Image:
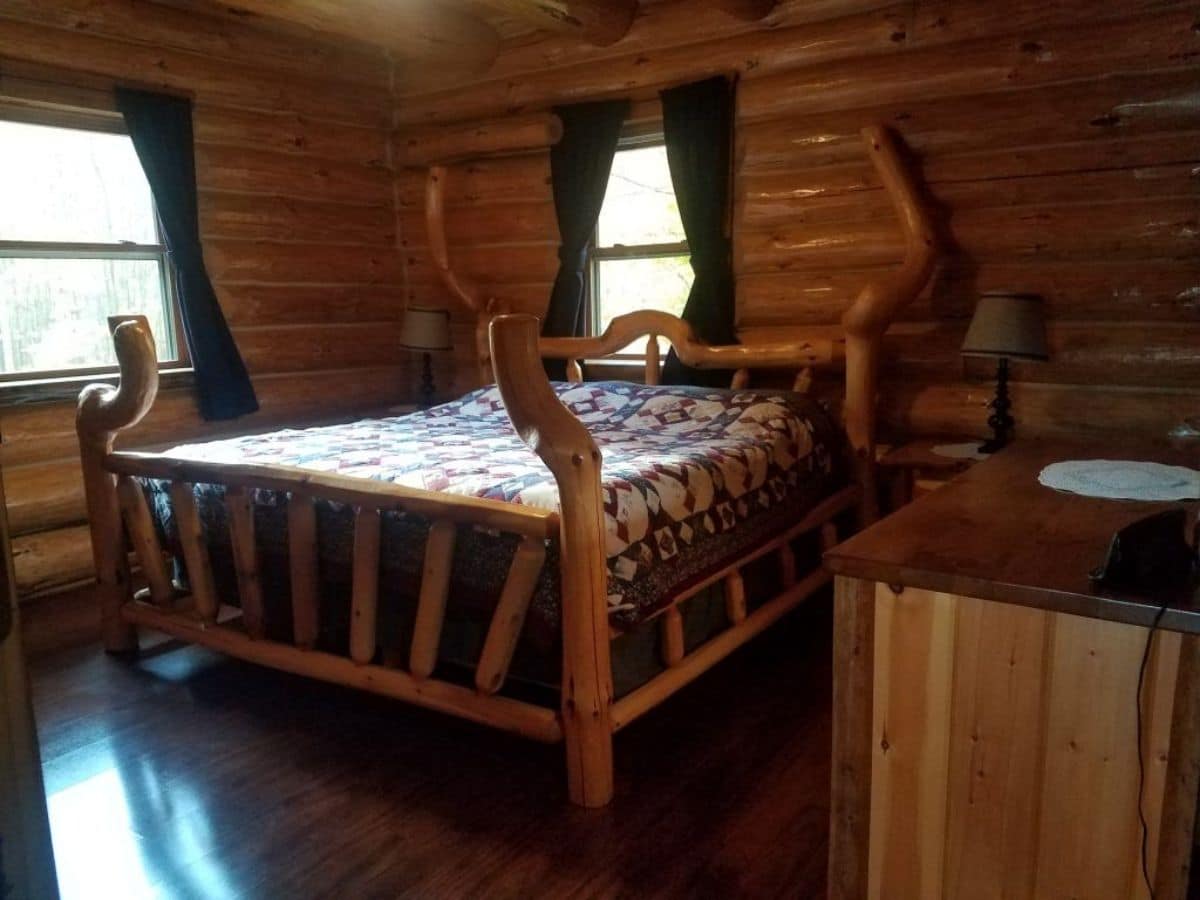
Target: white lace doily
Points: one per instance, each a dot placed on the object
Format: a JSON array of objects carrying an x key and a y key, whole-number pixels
[
  {"x": 969, "y": 450},
  {"x": 1122, "y": 479}
]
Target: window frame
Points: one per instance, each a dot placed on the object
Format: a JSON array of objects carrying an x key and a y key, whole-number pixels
[
  {"x": 59, "y": 383},
  {"x": 598, "y": 254}
]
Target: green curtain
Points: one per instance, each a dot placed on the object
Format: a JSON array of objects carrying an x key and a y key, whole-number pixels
[
  {"x": 580, "y": 164},
  {"x": 161, "y": 129},
  {"x": 698, "y": 129}
]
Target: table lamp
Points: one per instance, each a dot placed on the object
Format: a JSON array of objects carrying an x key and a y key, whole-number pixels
[
  {"x": 1005, "y": 326},
  {"x": 425, "y": 331}
]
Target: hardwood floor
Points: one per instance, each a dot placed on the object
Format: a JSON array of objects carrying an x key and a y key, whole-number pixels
[{"x": 184, "y": 774}]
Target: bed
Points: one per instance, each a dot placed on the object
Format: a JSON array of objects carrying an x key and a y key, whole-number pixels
[{"x": 525, "y": 535}]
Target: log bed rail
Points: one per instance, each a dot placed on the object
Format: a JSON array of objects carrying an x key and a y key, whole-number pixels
[{"x": 587, "y": 716}]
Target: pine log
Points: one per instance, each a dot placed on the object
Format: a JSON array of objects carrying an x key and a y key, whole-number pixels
[
  {"x": 263, "y": 261},
  {"x": 277, "y": 218},
  {"x": 288, "y": 132},
  {"x": 418, "y": 29},
  {"x": 597, "y": 22},
  {"x": 297, "y": 304},
  {"x": 1138, "y": 44},
  {"x": 44, "y": 496},
  {"x": 773, "y": 50},
  {"x": 209, "y": 79},
  {"x": 222, "y": 37},
  {"x": 50, "y": 561},
  {"x": 469, "y": 185},
  {"x": 1113, "y": 109},
  {"x": 258, "y": 171},
  {"x": 493, "y": 137}
]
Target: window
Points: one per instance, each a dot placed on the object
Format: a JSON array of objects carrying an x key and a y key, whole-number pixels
[
  {"x": 640, "y": 253},
  {"x": 79, "y": 241}
]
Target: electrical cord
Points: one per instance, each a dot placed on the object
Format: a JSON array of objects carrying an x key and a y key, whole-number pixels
[{"x": 1140, "y": 752}]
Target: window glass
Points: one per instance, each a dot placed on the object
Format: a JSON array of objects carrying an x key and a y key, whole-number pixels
[
  {"x": 63, "y": 184},
  {"x": 79, "y": 241},
  {"x": 640, "y": 259},
  {"x": 56, "y": 310},
  {"x": 639, "y": 205}
]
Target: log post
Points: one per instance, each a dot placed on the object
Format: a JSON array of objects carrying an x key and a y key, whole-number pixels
[
  {"x": 103, "y": 411},
  {"x": 876, "y": 307},
  {"x": 567, "y": 448}
]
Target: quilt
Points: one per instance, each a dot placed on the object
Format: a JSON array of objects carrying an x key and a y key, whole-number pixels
[{"x": 691, "y": 478}]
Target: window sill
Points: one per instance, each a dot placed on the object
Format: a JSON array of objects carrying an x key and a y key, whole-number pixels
[{"x": 58, "y": 390}]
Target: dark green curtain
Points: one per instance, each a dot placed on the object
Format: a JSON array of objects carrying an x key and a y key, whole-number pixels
[
  {"x": 698, "y": 130},
  {"x": 161, "y": 129},
  {"x": 579, "y": 167}
]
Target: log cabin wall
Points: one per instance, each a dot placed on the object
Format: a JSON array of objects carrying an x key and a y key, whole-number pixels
[
  {"x": 296, "y": 217},
  {"x": 1059, "y": 140}
]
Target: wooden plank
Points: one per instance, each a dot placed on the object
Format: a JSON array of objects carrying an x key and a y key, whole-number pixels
[
  {"x": 509, "y": 616},
  {"x": 144, "y": 537},
  {"x": 365, "y": 590},
  {"x": 914, "y": 646},
  {"x": 524, "y": 719},
  {"x": 305, "y": 574},
  {"x": 853, "y": 737},
  {"x": 735, "y": 597},
  {"x": 670, "y": 626},
  {"x": 431, "y": 605},
  {"x": 1090, "y": 762},
  {"x": 997, "y": 734},
  {"x": 239, "y": 504},
  {"x": 195, "y": 550},
  {"x": 1173, "y": 876}
]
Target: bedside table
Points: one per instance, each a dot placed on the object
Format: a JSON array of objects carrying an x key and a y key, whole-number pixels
[{"x": 913, "y": 468}]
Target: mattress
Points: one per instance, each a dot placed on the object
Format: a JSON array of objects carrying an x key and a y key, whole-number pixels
[{"x": 691, "y": 478}]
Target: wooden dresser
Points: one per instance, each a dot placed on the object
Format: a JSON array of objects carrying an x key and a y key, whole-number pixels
[{"x": 985, "y": 729}]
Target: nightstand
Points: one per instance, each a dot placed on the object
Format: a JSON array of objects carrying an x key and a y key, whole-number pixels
[{"x": 911, "y": 469}]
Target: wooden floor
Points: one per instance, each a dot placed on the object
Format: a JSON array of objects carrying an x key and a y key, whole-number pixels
[{"x": 184, "y": 774}]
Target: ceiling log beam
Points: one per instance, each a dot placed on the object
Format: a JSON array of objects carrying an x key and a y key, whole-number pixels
[
  {"x": 420, "y": 30},
  {"x": 598, "y": 22}
]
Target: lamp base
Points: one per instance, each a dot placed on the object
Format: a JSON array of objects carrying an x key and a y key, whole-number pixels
[
  {"x": 1000, "y": 421},
  {"x": 426, "y": 380}
]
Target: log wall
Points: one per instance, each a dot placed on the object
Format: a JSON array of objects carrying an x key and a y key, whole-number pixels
[
  {"x": 1059, "y": 140},
  {"x": 297, "y": 219}
]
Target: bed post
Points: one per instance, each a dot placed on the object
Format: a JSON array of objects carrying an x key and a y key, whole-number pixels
[
  {"x": 567, "y": 448},
  {"x": 102, "y": 412},
  {"x": 877, "y": 306},
  {"x": 468, "y": 292}
]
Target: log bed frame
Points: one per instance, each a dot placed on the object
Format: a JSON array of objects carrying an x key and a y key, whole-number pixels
[{"x": 587, "y": 716}]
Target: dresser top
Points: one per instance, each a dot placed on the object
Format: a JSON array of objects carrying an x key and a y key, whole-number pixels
[{"x": 995, "y": 533}]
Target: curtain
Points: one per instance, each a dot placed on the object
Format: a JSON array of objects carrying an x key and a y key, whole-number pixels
[
  {"x": 579, "y": 167},
  {"x": 698, "y": 130},
  {"x": 161, "y": 129}
]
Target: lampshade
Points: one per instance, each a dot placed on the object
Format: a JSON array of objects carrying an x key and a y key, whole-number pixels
[
  {"x": 425, "y": 329},
  {"x": 1008, "y": 325}
]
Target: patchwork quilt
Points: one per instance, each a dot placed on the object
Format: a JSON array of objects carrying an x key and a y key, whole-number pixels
[{"x": 691, "y": 477}]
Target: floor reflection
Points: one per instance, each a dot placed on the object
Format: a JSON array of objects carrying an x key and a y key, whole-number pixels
[{"x": 125, "y": 825}]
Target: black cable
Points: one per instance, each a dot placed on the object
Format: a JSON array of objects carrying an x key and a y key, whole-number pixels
[{"x": 1140, "y": 755}]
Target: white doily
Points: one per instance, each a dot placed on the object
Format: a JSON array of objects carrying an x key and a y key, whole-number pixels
[
  {"x": 969, "y": 450},
  {"x": 1122, "y": 479}
]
